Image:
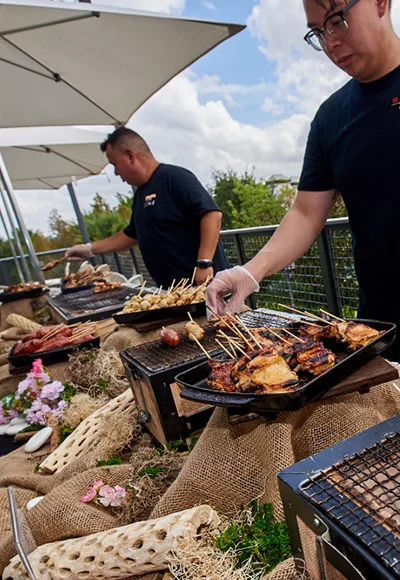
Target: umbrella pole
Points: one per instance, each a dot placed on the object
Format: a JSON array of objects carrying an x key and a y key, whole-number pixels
[
  {"x": 28, "y": 242},
  {"x": 78, "y": 213},
  {"x": 7, "y": 208},
  {"x": 12, "y": 248}
]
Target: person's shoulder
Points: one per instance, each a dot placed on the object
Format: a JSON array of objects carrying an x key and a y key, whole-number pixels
[
  {"x": 169, "y": 169},
  {"x": 336, "y": 99}
]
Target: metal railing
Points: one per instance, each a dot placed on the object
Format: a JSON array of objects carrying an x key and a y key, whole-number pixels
[{"x": 323, "y": 278}]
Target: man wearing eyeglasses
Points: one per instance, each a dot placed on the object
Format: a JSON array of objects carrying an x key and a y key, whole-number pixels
[{"x": 352, "y": 148}]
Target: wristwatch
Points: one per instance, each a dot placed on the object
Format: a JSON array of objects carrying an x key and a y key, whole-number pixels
[{"x": 204, "y": 264}]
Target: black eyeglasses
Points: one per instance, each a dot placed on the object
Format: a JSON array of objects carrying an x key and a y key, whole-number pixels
[{"x": 335, "y": 25}]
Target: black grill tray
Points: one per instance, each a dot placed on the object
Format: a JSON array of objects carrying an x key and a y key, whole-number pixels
[
  {"x": 197, "y": 309},
  {"x": 10, "y": 296},
  {"x": 194, "y": 387},
  {"x": 48, "y": 356},
  {"x": 66, "y": 290}
]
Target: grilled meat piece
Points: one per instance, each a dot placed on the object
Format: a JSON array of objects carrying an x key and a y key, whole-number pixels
[
  {"x": 220, "y": 376},
  {"x": 267, "y": 370},
  {"x": 315, "y": 331},
  {"x": 313, "y": 358},
  {"x": 355, "y": 334},
  {"x": 27, "y": 347},
  {"x": 194, "y": 331}
]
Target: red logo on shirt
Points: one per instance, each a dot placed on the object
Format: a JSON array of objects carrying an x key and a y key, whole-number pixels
[{"x": 395, "y": 102}]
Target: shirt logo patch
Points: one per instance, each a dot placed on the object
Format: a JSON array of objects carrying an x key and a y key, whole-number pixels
[
  {"x": 150, "y": 200},
  {"x": 396, "y": 102}
]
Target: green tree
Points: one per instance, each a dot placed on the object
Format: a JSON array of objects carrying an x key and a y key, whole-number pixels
[
  {"x": 258, "y": 206},
  {"x": 103, "y": 221},
  {"x": 222, "y": 190}
]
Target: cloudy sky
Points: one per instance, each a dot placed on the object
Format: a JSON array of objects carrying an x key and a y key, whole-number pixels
[{"x": 247, "y": 104}]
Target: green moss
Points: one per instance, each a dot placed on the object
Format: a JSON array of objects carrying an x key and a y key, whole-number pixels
[
  {"x": 102, "y": 384},
  {"x": 151, "y": 472},
  {"x": 114, "y": 460},
  {"x": 35, "y": 427},
  {"x": 36, "y": 468},
  {"x": 65, "y": 430},
  {"x": 258, "y": 539},
  {"x": 178, "y": 445},
  {"x": 68, "y": 392}
]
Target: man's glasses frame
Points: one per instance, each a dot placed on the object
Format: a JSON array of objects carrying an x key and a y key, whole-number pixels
[{"x": 315, "y": 37}]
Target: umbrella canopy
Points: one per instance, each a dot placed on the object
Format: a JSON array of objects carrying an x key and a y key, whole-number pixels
[
  {"x": 75, "y": 64},
  {"x": 48, "y": 157}
]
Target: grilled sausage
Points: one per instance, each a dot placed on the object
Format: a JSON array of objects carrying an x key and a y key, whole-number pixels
[{"x": 170, "y": 337}]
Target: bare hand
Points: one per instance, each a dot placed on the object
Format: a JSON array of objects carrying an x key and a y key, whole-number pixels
[{"x": 202, "y": 275}]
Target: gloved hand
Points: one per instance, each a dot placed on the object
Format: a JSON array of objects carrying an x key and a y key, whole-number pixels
[
  {"x": 79, "y": 253},
  {"x": 237, "y": 281}
]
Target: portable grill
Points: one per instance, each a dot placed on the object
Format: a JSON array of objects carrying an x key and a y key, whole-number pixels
[
  {"x": 349, "y": 497},
  {"x": 88, "y": 305},
  {"x": 151, "y": 368}
]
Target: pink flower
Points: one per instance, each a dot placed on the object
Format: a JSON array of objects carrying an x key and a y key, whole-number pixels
[
  {"x": 111, "y": 495},
  {"x": 37, "y": 367},
  {"x": 90, "y": 495},
  {"x": 98, "y": 484},
  {"x": 52, "y": 391}
]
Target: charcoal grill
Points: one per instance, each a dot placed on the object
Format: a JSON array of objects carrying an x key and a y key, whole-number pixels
[
  {"x": 151, "y": 368},
  {"x": 349, "y": 497},
  {"x": 88, "y": 305}
]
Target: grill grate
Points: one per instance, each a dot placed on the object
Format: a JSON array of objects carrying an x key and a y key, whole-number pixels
[
  {"x": 265, "y": 317},
  {"x": 362, "y": 494},
  {"x": 157, "y": 356},
  {"x": 85, "y": 304}
]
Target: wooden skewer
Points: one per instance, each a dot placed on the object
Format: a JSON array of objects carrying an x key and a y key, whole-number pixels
[
  {"x": 293, "y": 335},
  {"x": 225, "y": 349},
  {"x": 332, "y": 315},
  {"x": 170, "y": 288},
  {"x": 280, "y": 337},
  {"x": 141, "y": 289},
  {"x": 306, "y": 313},
  {"x": 53, "y": 332},
  {"x": 193, "y": 275},
  {"x": 201, "y": 346},
  {"x": 238, "y": 321},
  {"x": 238, "y": 347},
  {"x": 191, "y": 318},
  {"x": 240, "y": 335}
]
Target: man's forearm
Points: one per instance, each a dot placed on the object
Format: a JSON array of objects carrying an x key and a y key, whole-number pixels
[
  {"x": 115, "y": 243},
  {"x": 210, "y": 226}
]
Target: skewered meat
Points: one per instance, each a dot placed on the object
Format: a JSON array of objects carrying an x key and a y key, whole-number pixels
[
  {"x": 314, "y": 358},
  {"x": 194, "y": 331},
  {"x": 170, "y": 336},
  {"x": 21, "y": 287},
  {"x": 178, "y": 297},
  {"x": 355, "y": 334},
  {"x": 220, "y": 376},
  {"x": 27, "y": 347},
  {"x": 316, "y": 331}
]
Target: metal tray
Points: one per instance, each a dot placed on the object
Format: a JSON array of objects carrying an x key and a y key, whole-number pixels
[
  {"x": 66, "y": 290},
  {"x": 48, "y": 357},
  {"x": 194, "y": 387},
  {"x": 197, "y": 309},
  {"x": 10, "y": 296}
]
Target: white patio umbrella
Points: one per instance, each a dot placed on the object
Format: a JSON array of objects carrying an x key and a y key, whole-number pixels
[
  {"x": 83, "y": 64},
  {"x": 69, "y": 64},
  {"x": 46, "y": 158}
]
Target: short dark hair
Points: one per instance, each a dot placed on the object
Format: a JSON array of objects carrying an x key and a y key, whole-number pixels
[{"x": 123, "y": 138}]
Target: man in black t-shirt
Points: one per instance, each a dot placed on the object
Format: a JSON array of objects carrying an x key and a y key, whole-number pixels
[
  {"x": 352, "y": 148},
  {"x": 174, "y": 220}
]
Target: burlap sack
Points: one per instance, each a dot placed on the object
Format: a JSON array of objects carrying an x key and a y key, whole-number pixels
[
  {"x": 22, "y": 307},
  {"x": 231, "y": 465},
  {"x": 60, "y": 514}
]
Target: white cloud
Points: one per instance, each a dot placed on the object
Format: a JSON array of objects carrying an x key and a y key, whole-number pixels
[{"x": 209, "y": 5}]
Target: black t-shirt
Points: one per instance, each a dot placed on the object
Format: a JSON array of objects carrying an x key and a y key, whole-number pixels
[
  {"x": 353, "y": 147},
  {"x": 165, "y": 220}
]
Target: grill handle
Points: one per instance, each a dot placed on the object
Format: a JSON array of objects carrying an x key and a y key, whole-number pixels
[{"x": 216, "y": 398}]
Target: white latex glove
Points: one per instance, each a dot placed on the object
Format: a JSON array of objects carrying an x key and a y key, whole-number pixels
[
  {"x": 237, "y": 281},
  {"x": 79, "y": 253}
]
